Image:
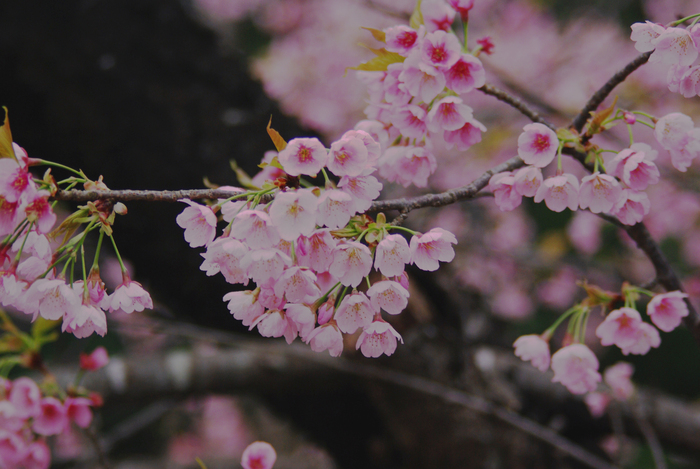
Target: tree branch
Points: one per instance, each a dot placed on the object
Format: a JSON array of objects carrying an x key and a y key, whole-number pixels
[{"x": 600, "y": 95}]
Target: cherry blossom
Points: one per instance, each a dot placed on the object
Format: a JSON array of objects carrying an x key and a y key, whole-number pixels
[
  {"x": 38, "y": 210},
  {"x": 130, "y": 296},
  {"x": 537, "y": 145},
  {"x": 326, "y": 337},
  {"x": 316, "y": 251},
  {"x": 533, "y": 348},
  {"x": 621, "y": 328},
  {"x": 352, "y": 262},
  {"x": 401, "y": 39},
  {"x": 297, "y": 284},
  {"x": 449, "y": 113},
  {"x": 618, "y": 378},
  {"x": 259, "y": 455},
  {"x": 465, "y": 137},
  {"x": 667, "y": 310},
  {"x": 465, "y": 75},
  {"x": 354, "y": 311},
  {"x": 527, "y": 180},
  {"x": 429, "y": 248},
  {"x": 648, "y": 338},
  {"x": 597, "y": 403},
  {"x": 25, "y": 396},
  {"x": 303, "y": 318},
  {"x": 378, "y": 338},
  {"x": 440, "y": 49},
  {"x": 303, "y": 156},
  {"x": 265, "y": 264},
  {"x": 225, "y": 255},
  {"x": 95, "y": 360},
  {"x": 559, "y": 192},
  {"x": 631, "y": 207},
  {"x": 348, "y": 156},
  {"x": 599, "y": 192},
  {"x": 256, "y": 228},
  {"x": 52, "y": 418},
  {"x": 576, "y": 367},
  {"x": 296, "y": 211},
  {"x": 335, "y": 207},
  {"x": 644, "y": 34},
  {"x": 199, "y": 223},
  {"x": 392, "y": 255},
  {"x": 437, "y": 15},
  {"x": 363, "y": 189},
  {"x": 388, "y": 295},
  {"x": 421, "y": 80},
  {"x": 674, "y": 46},
  {"x": 78, "y": 410},
  {"x": 634, "y": 168},
  {"x": 504, "y": 191},
  {"x": 244, "y": 306}
]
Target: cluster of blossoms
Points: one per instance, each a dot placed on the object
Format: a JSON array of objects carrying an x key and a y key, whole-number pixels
[
  {"x": 619, "y": 192},
  {"x": 416, "y": 87},
  {"x": 619, "y": 387},
  {"x": 575, "y": 365},
  {"x": 29, "y": 280},
  {"x": 674, "y": 47},
  {"x": 305, "y": 249},
  {"x": 29, "y": 413}
]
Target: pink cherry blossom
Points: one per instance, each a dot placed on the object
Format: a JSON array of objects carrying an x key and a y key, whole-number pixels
[
  {"x": 421, "y": 80},
  {"x": 666, "y": 310},
  {"x": 297, "y": 284},
  {"x": 576, "y": 367},
  {"x": 437, "y": 15},
  {"x": 388, "y": 295},
  {"x": 354, "y": 311},
  {"x": 559, "y": 192},
  {"x": 648, "y": 337},
  {"x": 38, "y": 210},
  {"x": 503, "y": 187},
  {"x": 670, "y": 130},
  {"x": 599, "y": 192},
  {"x": 533, "y": 348},
  {"x": 440, "y": 49},
  {"x": 78, "y": 410},
  {"x": 296, "y": 211},
  {"x": 265, "y": 264},
  {"x": 401, "y": 39},
  {"x": 689, "y": 82},
  {"x": 449, "y": 113},
  {"x": 54, "y": 298},
  {"x": 316, "y": 251},
  {"x": 256, "y": 228},
  {"x": 408, "y": 165},
  {"x": 36, "y": 456},
  {"x": 268, "y": 173},
  {"x": 429, "y": 248},
  {"x": 468, "y": 135},
  {"x": 15, "y": 180},
  {"x": 25, "y": 396},
  {"x": 597, "y": 403},
  {"x": 634, "y": 169},
  {"x": 352, "y": 262},
  {"x": 224, "y": 255},
  {"x": 618, "y": 378},
  {"x": 537, "y": 145},
  {"x": 244, "y": 306},
  {"x": 95, "y": 360},
  {"x": 631, "y": 207},
  {"x": 199, "y": 223},
  {"x": 527, "y": 180},
  {"x": 259, "y": 455},
  {"x": 326, "y": 337},
  {"x": 674, "y": 46},
  {"x": 12, "y": 449},
  {"x": 303, "y": 156},
  {"x": 643, "y": 35},
  {"x": 411, "y": 121},
  {"x": 348, "y": 156},
  {"x": 465, "y": 75},
  {"x": 9, "y": 216},
  {"x": 335, "y": 207},
  {"x": 52, "y": 418},
  {"x": 303, "y": 318},
  {"x": 130, "y": 296},
  {"x": 392, "y": 255},
  {"x": 378, "y": 338},
  {"x": 85, "y": 320},
  {"x": 274, "y": 323},
  {"x": 462, "y": 7},
  {"x": 363, "y": 189},
  {"x": 621, "y": 328}
]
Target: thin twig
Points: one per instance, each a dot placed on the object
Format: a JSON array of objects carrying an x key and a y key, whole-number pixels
[
  {"x": 516, "y": 103},
  {"x": 148, "y": 196}
]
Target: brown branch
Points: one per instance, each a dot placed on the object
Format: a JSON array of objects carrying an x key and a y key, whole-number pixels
[
  {"x": 600, "y": 95},
  {"x": 149, "y": 196},
  {"x": 516, "y": 103}
]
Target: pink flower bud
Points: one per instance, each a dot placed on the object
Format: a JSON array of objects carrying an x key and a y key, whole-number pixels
[
  {"x": 96, "y": 360},
  {"x": 259, "y": 455}
]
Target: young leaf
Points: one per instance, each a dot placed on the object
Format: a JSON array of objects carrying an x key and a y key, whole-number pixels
[
  {"x": 377, "y": 34},
  {"x": 383, "y": 59},
  {"x": 277, "y": 139},
  {"x": 6, "y": 150}
]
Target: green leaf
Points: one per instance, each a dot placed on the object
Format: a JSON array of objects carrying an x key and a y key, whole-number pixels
[
  {"x": 383, "y": 59},
  {"x": 42, "y": 328},
  {"x": 277, "y": 139},
  {"x": 416, "y": 17},
  {"x": 377, "y": 34}
]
